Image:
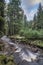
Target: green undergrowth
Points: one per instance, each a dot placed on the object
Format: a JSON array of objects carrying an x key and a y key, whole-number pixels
[{"x": 5, "y": 60}]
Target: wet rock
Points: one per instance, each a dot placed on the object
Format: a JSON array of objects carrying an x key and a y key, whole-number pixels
[
  {"x": 41, "y": 62},
  {"x": 17, "y": 58},
  {"x": 28, "y": 63}
]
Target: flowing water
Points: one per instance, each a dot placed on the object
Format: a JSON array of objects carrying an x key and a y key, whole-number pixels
[{"x": 22, "y": 55}]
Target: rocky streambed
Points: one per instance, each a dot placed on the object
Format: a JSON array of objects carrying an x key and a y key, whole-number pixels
[{"x": 23, "y": 54}]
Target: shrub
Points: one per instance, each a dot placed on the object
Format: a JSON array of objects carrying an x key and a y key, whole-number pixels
[
  {"x": 10, "y": 63},
  {"x": 29, "y": 33},
  {"x": 35, "y": 34},
  {"x": 21, "y": 32},
  {"x": 5, "y": 61},
  {"x": 41, "y": 33}
]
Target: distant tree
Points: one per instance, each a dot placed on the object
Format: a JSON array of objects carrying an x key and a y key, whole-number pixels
[
  {"x": 38, "y": 20},
  {"x": 40, "y": 17},
  {"x": 34, "y": 22},
  {"x": 25, "y": 21}
]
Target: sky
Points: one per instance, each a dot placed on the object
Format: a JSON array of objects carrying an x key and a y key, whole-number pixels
[{"x": 30, "y": 7}]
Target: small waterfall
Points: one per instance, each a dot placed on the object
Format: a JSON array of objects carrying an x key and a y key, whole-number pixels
[{"x": 27, "y": 55}]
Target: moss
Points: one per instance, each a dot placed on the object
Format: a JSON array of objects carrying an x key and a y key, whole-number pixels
[
  {"x": 2, "y": 57},
  {"x": 10, "y": 63},
  {"x": 1, "y": 63}
]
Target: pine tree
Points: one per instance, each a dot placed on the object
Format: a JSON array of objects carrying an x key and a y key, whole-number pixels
[
  {"x": 15, "y": 16},
  {"x": 2, "y": 3},
  {"x": 40, "y": 17},
  {"x": 34, "y": 22},
  {"x": 25, "y": 21},
  {"x": 38, "y": 20}
]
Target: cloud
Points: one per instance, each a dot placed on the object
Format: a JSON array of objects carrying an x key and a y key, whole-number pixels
[
  {"x": 31, "y": 2},
  {"x": 30, "y": 7},
  {"x": 31, "y": 14},
  {"x": 7, "y": 1}
]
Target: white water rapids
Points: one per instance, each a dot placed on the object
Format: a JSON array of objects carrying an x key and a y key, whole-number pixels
[{"x": 24, "y": 53}]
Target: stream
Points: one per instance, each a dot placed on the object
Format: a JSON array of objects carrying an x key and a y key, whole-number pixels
[{"x": 23, "y": 56}]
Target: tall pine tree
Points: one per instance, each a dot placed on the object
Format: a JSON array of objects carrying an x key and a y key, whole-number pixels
[
  {"x": 15, "y": 16},
  {"x": 2, "y": 7},
  {"x": 38, "y": 20},
  {"x": 40, "y": 17},
  {"x": 2, "y": 3}
]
